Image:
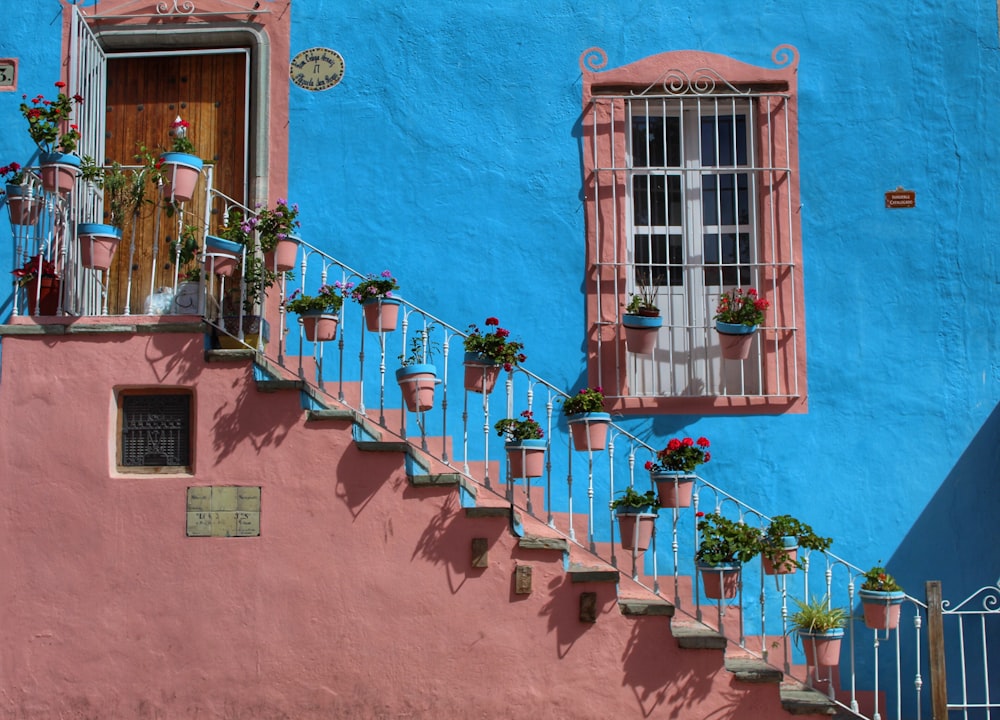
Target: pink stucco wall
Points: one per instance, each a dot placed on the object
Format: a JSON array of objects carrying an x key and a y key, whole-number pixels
[{"x": 357, "y": 600}]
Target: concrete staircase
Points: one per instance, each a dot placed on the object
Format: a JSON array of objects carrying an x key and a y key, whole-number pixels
[{"x": 601, "y": 587}]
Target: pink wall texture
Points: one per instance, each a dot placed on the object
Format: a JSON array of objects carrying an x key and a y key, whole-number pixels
[{"x": 358, "y": 600}]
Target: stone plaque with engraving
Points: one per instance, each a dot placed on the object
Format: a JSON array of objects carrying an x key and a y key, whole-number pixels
[{"x": 223, "y": 511}]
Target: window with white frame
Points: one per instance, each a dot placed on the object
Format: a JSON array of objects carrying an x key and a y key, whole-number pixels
[{"x": 692, "y": 192}]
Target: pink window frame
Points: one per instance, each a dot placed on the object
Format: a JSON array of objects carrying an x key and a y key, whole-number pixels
[{"x": 605, "y": 214}]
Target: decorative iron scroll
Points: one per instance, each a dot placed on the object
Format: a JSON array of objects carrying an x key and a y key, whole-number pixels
[
  {"x": 988, "y": 596},
  {"x": 186, "y": 8}
]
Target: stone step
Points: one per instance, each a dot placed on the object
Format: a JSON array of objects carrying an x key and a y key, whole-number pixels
[{"x": 694, "y": 635}]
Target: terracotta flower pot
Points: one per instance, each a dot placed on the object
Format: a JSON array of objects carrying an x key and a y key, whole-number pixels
[
  {"x": 636, "y": 529},
  {"x": 48, "y": 295},
  {"x": 735, "y": 340},
  {"x": 59, "y": 171},
  {"x": 181, "y": 172},
  {"x": 319, "y": 326},
  {"x": 22, "y": 206},
  {"x": 822, "y": 649},
  {"x": 589, "y": 430},
  {"x": 98, "y": 243},
  {"x": 417, "y": 385},
  {"x": 881, "y": 609},
  {"x": 674, "y": 488},
  {"x": 641, "y": 332},
  {"x": 481, "y": 373},
  {"x": 782, "y": 560},
  {"x": 282, "y": 258},
  {"x": 526, "y": 458},
  {"x": 222, "y": 256},
  {"x": 381, "y": 314},
  {"x": 720, "y": 582}
]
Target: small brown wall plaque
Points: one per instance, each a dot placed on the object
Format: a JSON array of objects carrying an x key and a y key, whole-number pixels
[{"x": 900, "y": 198}]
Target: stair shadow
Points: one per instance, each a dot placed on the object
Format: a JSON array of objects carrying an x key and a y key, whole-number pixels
[
  {"x": 262, "y": 419},
  {"x": 563, "y": 609},
  {"x": 447, "y": 539}
]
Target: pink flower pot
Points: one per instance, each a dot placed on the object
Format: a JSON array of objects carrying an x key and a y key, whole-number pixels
[
  {"x": 674, "y": 488},
  {"x": 822, "y": 649},
  {"x": 481, "y": 373},
  {"x": 381, "y": 315},
  {"x": 180, "y": 173},
  {"x": 282, "y": 258},
  {"x": 59, "y": 171},
  {"x": 641, "y": 332},
  {"x": 98, "y": 243},
  {"x": 526, "y": 458},
  {"x": 720, "y": 582},
  {"x": 636, "y": 530},
  {"x": 416, "y": 382},
  {"x": 589, "y": 431},
  {"x": 319, "y": 327},
  {"x": 735, "y": 340},
  {"x": 881, "y": 609},
  {"x": 23, "y": 207}
]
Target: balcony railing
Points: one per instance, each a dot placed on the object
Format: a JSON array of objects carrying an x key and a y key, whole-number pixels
[{"x": 879, "y": 673}]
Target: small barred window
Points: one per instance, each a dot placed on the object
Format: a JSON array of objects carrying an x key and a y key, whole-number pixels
[{"x": 155, "y": 432}]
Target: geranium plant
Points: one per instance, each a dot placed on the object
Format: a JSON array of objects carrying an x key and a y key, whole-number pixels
[
  {"x": 739, "y": 307},
  {"x": 682, "y": 455},
  {"x": 879, "y": 580},
  {"x": 374, "y": 287},
  {"x": 495, "y": 345},
  {"x": 588, "y": 400},
  {"x": 48, "y": 121},
  {"x": 523, "y": 428},
  {"x": 180, "y": 142},
  {"x": 31, "y": 268},
  {"x": 725, "y": 541},
  {"x": 327, "y": 300},
  {"x": 772, "y": 546},
  {"x": 12, "y": 174}
]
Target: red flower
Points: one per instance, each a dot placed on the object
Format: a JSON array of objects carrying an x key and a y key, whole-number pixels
[
  {"x": 502, "y": 333},
  {"x": 649, "y": 465},
  {"x": 699, "y": 514},
  {"x": 703, "y": 442},
  {"x": 674, "y": 444},
  {"x": 60, "y": 84},
  {"x": 78, "y": 98},
  {"x": 687, "y": 442},
  {"x": 492, "y": 321},
  {"x": 708, "y": 456}
]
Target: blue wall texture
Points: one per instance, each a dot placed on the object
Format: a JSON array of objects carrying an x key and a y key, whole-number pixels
[{"x": 450, "y": 154}]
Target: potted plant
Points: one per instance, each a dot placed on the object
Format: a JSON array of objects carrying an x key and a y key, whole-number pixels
[
  {"x": 881, "y": 599},
  {"x": 588, "y": 423},
  {"x": 180, "y": 167},
  {"x": 486, "y": 353},
  {"x": 41, "y": 283},
  {"x": 820, "y": 628},
  {"x": 525, "y": 445},
  {"x": 276, "y": 233},
  {"x": 318, "y": 313},
  {"x": 673, "y": 471},
  {"x": 23, "y": 203},
  {"x": 50, "y": 127},
  {"x": 380, "y": 306},
  {"x": 224, "y": 251},
  {"x": 780, "y": 543},
  {"x": 417, "y": 376},
  {"x": 642, "y": 321},
  {"x": 125, "y": 191},
  {"x": 736, "y": 319},
  {"x": 636, "y": 513},
  {"x": 725, "y": 545}
]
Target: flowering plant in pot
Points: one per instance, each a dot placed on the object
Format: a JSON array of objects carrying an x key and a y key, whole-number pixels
[
  {"x": 56, "y": 137},
  {"x": 23, "y": 204},
  {"x": 179, "y": 167},
  {"x": 318, "y": 313},
  {"x": 486, "y": 353},
  {"x": 525, "y": 444},
  {"x": 588, "y": 422},
  {"x": 40, "y": 279},
  {"x": 780, "y": 543},
  {"x": 881, "y": 599},
  {"x": 820, "y": 628},
  {"x": 674, "y": 467},
  {"x": 636, "y": 513},
  {"x": 380, "y": 306},
  {"x": 276, "y": 228},
  {"x": 736, "y": 319}
]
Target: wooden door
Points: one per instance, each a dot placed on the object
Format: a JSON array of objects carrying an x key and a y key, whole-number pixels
[{"x": 145, "y": 95}]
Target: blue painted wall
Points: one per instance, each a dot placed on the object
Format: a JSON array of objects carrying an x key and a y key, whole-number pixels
[{"x": 450, "y": 154}]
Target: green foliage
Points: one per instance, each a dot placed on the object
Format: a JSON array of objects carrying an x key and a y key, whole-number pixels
[
  {"x": 682, "y": 455},
  {"x": 588, "y": 400},
  {"x": 495, "y": 345},
  {"x": 328, "y": 300},
  {"x": 523, "y": 428},
  {"x": 374, "y": 287},
  {"x": 48, "y": 121},
  {"x": 817, "y": 616},
  {"x": 422, "y": 348},
  {"x": 880, "y": 580},
  {"x": 125, "y": 191},
  {"x": 725, "y": 541},
  {"x": 634, "y": 500},
  {"x": 771, "y": 541},
  {"x": 741, "y": 308}
]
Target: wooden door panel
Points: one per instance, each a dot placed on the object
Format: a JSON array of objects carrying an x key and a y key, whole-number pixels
[{"x": 145, "y": 95}]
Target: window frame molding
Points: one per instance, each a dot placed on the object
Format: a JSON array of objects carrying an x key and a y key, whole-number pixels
[{"x": 606, "y": 226}]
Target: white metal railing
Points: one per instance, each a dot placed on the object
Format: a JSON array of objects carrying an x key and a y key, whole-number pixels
[{"x": 879, "y": 674}]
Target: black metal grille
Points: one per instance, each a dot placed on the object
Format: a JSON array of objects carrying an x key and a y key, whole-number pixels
[{"x": 156, "y": 430}]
